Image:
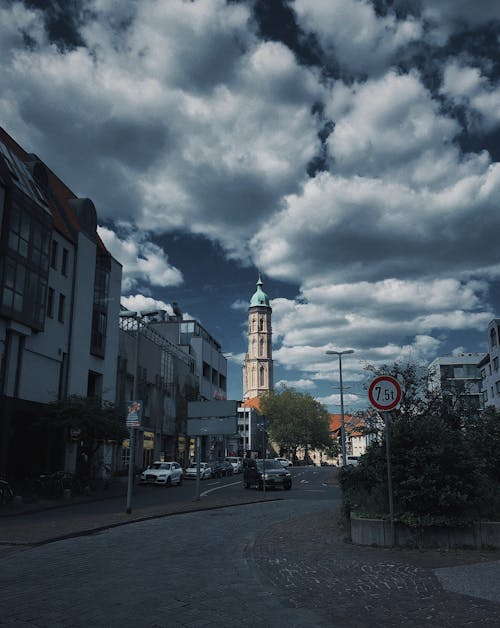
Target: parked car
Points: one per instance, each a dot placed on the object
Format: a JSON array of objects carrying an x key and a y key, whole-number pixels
[
  {"x": 205, "y": 471},
  {"x": 353, "y": 460},
  {"x": 221, "y": 469},
  {"x": 284, "y": 462},
  {"x": 236, "y": 462},
  {"x": 269, "y": 472},
  {"x": 165, "y": 473}
]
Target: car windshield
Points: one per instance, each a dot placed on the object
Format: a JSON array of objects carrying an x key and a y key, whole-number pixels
[
  {"x": 161, "y": 465},
  {"x": 270, "y": 464}
]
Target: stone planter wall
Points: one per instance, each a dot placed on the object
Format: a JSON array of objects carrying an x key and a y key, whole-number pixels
[{"x": 378, "y": 532}]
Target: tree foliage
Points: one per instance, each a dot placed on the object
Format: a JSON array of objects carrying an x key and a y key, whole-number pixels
[
  {"x": 96, "y": 420},
  {"x": 444, "y": 458},
  {"x": 297, "y": 420}
]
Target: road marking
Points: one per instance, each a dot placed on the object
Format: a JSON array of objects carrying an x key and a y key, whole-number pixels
[{"x": 205, "y": 493}]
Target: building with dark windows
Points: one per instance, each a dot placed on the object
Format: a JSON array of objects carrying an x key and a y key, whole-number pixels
[
  {"x": 489, "y": 367},
  {"x": 59, "y": 303},
  {"x": 458, "y": 379}
]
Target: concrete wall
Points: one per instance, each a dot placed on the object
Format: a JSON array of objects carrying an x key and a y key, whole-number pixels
[{"x": 378, "y": 532}]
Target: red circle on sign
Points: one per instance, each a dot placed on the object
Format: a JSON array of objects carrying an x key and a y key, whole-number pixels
[{"x": 384, "y": 392}]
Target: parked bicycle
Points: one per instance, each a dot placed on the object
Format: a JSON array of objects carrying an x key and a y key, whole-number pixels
[{"x": 6, "y": 492}]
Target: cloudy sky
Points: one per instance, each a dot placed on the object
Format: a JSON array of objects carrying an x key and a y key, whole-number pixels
[{"x": 348, "y": 149}]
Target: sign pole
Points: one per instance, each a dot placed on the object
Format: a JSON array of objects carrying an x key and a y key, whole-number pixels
[
  {"x": 198, "y": 459},
  {"x": 131, "y": 467},
  {"x": 389, "y": 475},
  {"x": 385, "y": 394}
]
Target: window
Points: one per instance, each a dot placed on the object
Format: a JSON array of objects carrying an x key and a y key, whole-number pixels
[
  {"x": 60, "y": 309},
  {"x": 261, "y": 347},
  {"x": 261, "y": 376},
  {"x": 495, "y": 364},
  {"x": 53, "y": 254},
  {"x": 206, "y": 370},
  {"x": 64, "y": 262},
  {"x": 99, "y": 325},
  {"x": 50, "y": 303},
  {"x": 493, "y": 338},
  {"x": 261, "y": 324},
  {"x": 497, "y": 386},
  {"x": 14, "y": 280}
]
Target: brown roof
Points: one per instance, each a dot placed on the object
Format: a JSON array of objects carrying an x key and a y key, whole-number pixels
[
  {"x": 253, "y": 402},
  {"x": 57, "y": 195},
  {"x": 354, "y": 425}
]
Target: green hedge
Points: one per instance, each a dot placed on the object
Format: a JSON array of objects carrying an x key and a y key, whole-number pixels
[{"x": 441, "y": 473}]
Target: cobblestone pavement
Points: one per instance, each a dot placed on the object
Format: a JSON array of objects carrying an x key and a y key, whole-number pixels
[
  {"x": 281, "y": 563},
  {"x": 312, "y": 566}
]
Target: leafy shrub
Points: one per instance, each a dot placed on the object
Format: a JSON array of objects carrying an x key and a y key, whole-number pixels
[{"x": 440, "y": 473}]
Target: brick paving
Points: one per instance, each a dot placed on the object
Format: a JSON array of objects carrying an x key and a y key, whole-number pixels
[
  {"x": 315, "y": 568},
  {"x": 237, "y": 561}
]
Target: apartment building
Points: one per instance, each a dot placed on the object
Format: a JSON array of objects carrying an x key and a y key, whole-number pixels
[
  {"x": 458, "y": 377},
  {"x": 59, "y": 304},
  {"x": 489, "y": 367}
]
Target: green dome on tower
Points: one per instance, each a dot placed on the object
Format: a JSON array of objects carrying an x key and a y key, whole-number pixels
[{"x": 260, "y": 297}]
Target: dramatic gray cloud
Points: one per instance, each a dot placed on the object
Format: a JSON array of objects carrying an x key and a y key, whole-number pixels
[{"x": 178, "y": 118}]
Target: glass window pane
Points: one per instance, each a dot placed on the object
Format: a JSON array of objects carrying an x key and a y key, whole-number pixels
[{"x": 20, "y": 275}]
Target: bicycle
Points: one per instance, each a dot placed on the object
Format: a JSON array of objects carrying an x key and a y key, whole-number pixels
[{"x": 6, "y": 492}]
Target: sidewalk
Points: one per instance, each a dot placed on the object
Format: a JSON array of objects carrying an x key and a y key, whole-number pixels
[{"x": 44, "y": 521}]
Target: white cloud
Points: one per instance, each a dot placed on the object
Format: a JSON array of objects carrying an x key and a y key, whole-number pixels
[
  {"x": 143, "y": 262},
  {"x": 298, "y": 384},
  {"x": 141, "y": 303},
  {"x": 466, "y": 86},
  {"x": 351, "y": 33}
]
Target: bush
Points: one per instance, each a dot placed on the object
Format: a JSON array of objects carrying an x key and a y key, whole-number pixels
[{"x": 440, "y": 473}]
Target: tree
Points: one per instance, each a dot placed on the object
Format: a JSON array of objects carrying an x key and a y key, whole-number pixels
[
  {"x": 96, "y": 421},
  {"x": 445, "y": 463},
  {"x": 297, "y": 420}
]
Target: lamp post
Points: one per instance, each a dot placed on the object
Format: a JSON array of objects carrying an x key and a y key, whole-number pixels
[
  {"x": 342, "y": 418},
  {"x": 138, "y": 317}
]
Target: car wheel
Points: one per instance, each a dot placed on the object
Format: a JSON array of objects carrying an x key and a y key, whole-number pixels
[
  {"x": 169, "y": 482},
  {"x": 287, "y": 486},
  {"x": 179, "y": 483},
  {"x": 260, "y": 485}
]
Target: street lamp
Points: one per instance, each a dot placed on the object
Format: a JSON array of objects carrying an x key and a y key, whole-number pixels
[
  {"x": 139, "y": 321},
  {"x": 342, "y": 419}
]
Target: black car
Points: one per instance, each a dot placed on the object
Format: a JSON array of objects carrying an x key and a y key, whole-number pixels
[{"x": 271, "y": 472}]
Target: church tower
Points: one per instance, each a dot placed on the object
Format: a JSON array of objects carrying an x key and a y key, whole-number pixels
[{"x": 258, "y": 364}]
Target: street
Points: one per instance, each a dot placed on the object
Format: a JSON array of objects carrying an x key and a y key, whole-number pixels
[{"x": 278, "y": 562}]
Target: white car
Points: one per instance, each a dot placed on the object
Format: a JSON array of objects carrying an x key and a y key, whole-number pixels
[
  {"x": 166, "y": 473},
  {"x": 205, "y": 471},
  {"x": 284, "y": 462},
  {"x": 236, "y": 462}
]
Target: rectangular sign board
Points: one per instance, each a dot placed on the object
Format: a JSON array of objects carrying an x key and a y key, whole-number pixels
[
  {"x": 199, "y": 409},
  {"x": 211, "y": 427}
]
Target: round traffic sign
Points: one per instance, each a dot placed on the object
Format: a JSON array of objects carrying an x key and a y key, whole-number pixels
[{"x": 384, "y": 392}]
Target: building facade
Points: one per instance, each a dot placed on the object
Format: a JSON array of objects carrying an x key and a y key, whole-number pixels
[
  {"x": 59, "y": 302},
  {"x": 458, "y": 377},
  {"x": 489, "y": 367},
  {"x": 159, "y": 374}
]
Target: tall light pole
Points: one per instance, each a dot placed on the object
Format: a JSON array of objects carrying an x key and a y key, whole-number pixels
[
  {"x": 342, "y": 418},
  {"x": 138, "y": 317}
]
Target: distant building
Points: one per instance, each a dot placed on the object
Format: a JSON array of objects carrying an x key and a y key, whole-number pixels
[
  {"x": 489, "y": 367},
  {"x": 166, "y": 375},
  {"x": 458, "y": 378},
  {"x": 258, "y": 377},
  {"x": 59, "y": 304},
  {"x": 210, "y": 366},
  {"x": 258, "y": 364}
]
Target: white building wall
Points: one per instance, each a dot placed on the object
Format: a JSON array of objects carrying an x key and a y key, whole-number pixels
[{"x": 82, "y": 316}]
